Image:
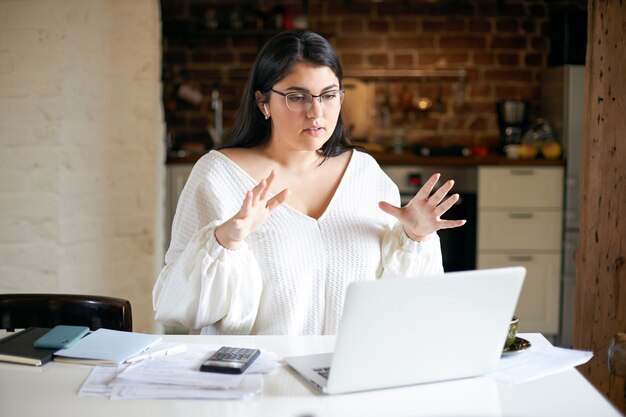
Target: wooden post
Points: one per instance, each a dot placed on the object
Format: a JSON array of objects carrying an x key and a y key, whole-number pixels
[{"x": 600, "y": 307}]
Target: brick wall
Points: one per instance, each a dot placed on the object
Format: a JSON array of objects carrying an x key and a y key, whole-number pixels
[
  {"x": 81, "y": 164},
  {"x": 502, "y": 45}
]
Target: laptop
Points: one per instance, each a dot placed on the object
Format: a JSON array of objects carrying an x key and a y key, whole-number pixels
[{"x": 397, "y": 332}]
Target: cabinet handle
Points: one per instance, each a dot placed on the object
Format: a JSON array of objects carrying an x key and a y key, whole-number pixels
[
  {"x": 521, "y": 215},
  {"x": 520, "y": 258},
  {"x": 522, "y": 172}
]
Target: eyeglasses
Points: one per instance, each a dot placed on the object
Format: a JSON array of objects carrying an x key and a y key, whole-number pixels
[{"x": 303, "y": 101}]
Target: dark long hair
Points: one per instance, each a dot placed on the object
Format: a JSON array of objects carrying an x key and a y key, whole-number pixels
[{"x": 276, "y": 59}]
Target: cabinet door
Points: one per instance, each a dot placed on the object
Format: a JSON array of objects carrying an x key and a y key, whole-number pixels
[
  {"x": 520, "y": 187},
  {"x": 538, "y": 305},
  {"x": 519, "y": 229}
]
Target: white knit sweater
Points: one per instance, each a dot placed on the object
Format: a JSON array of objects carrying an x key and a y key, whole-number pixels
[{"x": 292, "y": 274}]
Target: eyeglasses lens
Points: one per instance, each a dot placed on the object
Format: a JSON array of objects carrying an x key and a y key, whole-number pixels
[{"x": 304, "y": 101}]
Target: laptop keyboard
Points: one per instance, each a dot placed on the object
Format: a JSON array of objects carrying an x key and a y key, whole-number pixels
[{"x": 323, "y": 372}]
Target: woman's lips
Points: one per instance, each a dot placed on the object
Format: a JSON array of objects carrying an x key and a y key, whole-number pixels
[{"x": 314, "y": 131}]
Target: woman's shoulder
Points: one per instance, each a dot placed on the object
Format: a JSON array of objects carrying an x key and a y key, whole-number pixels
[{"x": 365, "y": 160}]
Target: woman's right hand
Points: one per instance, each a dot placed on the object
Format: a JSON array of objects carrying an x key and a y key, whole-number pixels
[{"x": 255, "y": 209}]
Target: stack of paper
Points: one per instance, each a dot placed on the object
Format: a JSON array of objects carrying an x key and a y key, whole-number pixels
[
  {"x": 540, "y": 360},
  {"x": 176, "y": 376}
]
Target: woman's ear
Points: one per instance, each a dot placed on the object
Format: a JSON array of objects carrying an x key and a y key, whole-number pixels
[{"x": 260, "y": 101}]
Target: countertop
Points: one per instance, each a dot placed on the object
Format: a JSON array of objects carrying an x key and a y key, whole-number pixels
[{"x": 407, "y": 158}]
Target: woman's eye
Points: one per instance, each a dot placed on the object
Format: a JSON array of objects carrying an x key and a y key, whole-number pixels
[
  {"x": 296, "y": 98},
  {"x": 329, "y": 96}
]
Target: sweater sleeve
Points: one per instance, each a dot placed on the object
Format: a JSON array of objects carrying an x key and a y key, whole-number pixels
[
  {"x": 208, "y": 284},
  {"x": 202, "y": 283},
  {"x": 404, "y": 257}
]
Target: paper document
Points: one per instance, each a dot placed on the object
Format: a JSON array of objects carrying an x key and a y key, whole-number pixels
[
  {"x": 540, "y": 360},
  {"x": 176, "y": 375}
]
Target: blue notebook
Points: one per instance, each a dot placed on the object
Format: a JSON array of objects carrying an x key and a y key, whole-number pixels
[{"x": 106, "y": 347}]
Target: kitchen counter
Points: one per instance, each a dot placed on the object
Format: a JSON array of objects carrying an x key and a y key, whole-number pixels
[{"x": 407, "y": 158}]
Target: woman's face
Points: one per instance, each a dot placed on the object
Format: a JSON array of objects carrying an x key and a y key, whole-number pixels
[{"x": 302, "y": 128}]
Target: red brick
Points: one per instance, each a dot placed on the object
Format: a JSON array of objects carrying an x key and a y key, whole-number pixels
[
  {"x": 465, "y": 42},
  {"x": 459, "y": 58},
  {"x": 359, "y": 42},
  {"x": 507, "y": 26},
  {"x": 404, "y": 25},
  {"x": 429, "y": 26},
  {"x": 351, "y": 25},
  {"x": 509, "y": 42},
  {"x": 412, "y": 42},
  {"x": 480, "y": 90},
  {"x": 479, "y": 123},
  {"x": 379, "y": 60},
  {"x": 455, "y": 25},
  {"x": 534, "y": 59},
  {"x": 504, "y": 92},
  {"x": 480, "y": 26},
  {"x": 352, "y": 60},
  {"x": 378, "y": 26},
  {"x": 325, "y": 25},
  {"x": 529, "y": 26},
  {"x": 508, "y": 59},
  {"x": 508, "y": 75},
  {"x": 429, "y": 59},
  {"x": 481, "y": 58},
  {"x": 403, "y": 60},
  {"x": 539, "y": 43}
]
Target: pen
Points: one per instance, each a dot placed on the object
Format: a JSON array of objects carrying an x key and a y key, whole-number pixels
[{"x": 157, "y": 352}]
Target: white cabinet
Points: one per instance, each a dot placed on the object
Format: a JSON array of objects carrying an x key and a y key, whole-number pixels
[
  {"x": 176, "y": 177},
  {"x": 520, "y": 222}
]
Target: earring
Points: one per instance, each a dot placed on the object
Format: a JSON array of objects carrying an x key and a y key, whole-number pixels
[{"x": 267, "y": 112}]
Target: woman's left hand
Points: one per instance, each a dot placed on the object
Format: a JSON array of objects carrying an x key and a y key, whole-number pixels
[{"x": 422, "y": 215}]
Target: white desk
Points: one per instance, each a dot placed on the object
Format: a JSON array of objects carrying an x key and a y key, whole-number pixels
[{"x": 52, "y": 391}]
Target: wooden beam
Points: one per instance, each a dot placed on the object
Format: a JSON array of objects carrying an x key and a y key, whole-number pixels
[{"x": 600, "y": 307}]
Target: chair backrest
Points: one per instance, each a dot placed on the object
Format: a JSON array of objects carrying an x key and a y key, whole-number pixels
[{"x": 20, "y": 311}]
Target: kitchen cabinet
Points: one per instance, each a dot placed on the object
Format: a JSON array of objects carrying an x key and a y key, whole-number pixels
[{"x": 520, "y": 222}]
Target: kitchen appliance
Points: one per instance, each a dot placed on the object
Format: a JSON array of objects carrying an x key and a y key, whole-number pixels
[
  {"x": 458, "y": 245},
  {"x": 513, "y": 120},
  {"x": 562, "y": 104}
]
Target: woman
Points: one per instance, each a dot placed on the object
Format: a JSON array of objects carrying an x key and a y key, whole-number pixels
[{"x": 270, "y": 230}]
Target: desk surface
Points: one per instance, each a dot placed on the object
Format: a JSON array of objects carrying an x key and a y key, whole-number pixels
[{"x": 52, "y": 391}]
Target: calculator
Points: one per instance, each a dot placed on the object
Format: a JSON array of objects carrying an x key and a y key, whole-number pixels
[{"x": 230, "y": 360}]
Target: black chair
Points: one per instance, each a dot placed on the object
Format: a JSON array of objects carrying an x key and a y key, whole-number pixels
[{"x": 20, "y": 311}]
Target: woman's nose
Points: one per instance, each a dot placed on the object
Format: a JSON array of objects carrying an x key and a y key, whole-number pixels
[{"x": 315, "y": 110}]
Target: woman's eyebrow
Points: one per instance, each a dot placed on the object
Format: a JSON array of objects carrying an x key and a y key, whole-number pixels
[{"x": 306, "y": 90}]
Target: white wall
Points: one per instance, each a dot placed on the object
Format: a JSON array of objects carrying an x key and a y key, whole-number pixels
[{"x": 81, "y": 149}]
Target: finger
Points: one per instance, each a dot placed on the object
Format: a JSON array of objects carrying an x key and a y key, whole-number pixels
[
  {"x": 390, "y": 209},
  {"x": 246, "y": 206},
  {"x": 277, "y": 200},
  {"x": 427, "y": 188},
  {"x": 258, "y": 190},
  {"x": 446, "y": 205},
  {"x": 441, "y": 193},
  {"x": 268, "y": 184},
  {"x": 451, "y": 224}
]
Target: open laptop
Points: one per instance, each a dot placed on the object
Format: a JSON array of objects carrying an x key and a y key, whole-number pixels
[{"x": 397, "y": 332}]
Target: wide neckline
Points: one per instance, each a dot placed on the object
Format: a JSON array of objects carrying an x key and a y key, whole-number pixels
[{"x": 286, "y": 205}]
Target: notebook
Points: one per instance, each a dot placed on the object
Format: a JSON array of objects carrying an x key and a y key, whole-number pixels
[
  {"x": 397, "y": 332},
  {"x": 18, "y": 347},
  {"x": 106, "y": 347}
]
